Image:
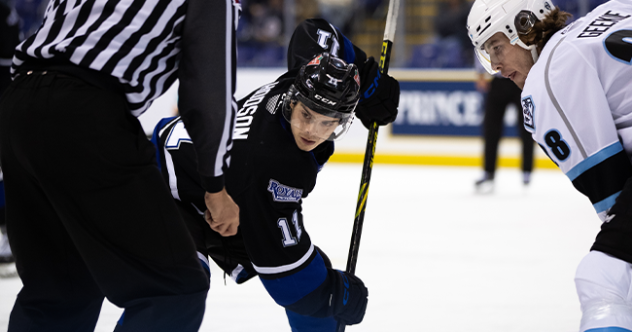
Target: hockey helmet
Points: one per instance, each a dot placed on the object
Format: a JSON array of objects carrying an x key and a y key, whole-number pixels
[
  {"x": 330, "y": 87},
  {"x": 511, "y": 17}
]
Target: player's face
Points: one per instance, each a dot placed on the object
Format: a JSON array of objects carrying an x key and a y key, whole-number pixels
[
  {"x": 310, "y": 128},
  {"x": 512, "y": 61}
]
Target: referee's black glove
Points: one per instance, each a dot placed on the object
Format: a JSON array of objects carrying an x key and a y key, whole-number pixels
[
  {"x": 379, "y": 96},
  {"x": 349, "y": 299}
]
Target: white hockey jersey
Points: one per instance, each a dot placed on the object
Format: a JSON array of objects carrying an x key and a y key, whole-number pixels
[{"x": 577, "y": 102}]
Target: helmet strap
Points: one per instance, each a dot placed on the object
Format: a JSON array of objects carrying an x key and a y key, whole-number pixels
[
  {"x": 534, "y": 53},
  {"x": 532, "y": 48}
]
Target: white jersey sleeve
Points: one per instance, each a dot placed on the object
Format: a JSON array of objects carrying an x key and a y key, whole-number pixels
[{"x": 577, "y": 102}]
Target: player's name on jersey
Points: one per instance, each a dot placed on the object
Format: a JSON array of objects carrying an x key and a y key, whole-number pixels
[
  {"x": 602, "y": 24},
  {"x": 247, "y": 111}
]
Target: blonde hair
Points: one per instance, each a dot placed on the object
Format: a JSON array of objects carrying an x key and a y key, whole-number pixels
[{"x": 543, "y": 30}]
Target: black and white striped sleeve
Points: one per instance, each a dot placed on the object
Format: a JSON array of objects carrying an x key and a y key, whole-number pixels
[{"x": 207, "y": 84}]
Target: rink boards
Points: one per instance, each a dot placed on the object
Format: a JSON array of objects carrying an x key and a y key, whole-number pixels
[{"x": 439, "y": 121}]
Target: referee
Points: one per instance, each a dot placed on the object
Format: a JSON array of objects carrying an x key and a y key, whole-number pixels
[{"x": 88, "y": 214}]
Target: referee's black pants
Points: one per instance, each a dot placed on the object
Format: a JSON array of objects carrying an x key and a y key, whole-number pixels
[
  {"x": 503, "y": 92},
  {"x": 89, "y": 215}
]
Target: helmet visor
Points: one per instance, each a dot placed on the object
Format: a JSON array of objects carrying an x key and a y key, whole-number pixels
[
  {"x": 314, "y": 126},
  {"x": 485, "y": 59}
]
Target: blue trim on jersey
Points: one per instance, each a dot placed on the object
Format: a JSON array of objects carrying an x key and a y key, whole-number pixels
[
  {"x": 120, "y": 321},
  {"x": 288, "y": 290},
  {"x": 300, "y": 323},
  {"x": 606, "y": 203},
  {"x": 595, "y": 159},
  {"x": 349, "y": 55},
  {"x": 242, "y": 276},
  {"x": 155, "y": 138},
  {"x": 608, "y": 329},
  {"x": 207, "y": 269}
]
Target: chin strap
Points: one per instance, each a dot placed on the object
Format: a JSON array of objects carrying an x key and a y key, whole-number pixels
[
  {"x": 532, "y": 48},
  {"x": 534, "y": 53}
]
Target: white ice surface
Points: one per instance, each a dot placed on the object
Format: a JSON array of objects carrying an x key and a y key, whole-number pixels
[{"x": 434, "y": 255}]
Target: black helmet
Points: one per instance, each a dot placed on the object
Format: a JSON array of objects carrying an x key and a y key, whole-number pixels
[{"x": 329, "y": 86}]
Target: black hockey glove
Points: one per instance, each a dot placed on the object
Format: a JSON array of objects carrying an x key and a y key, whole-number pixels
[
  {"x": 379, "y": 97},
  {"x": 349, "y": 299}
]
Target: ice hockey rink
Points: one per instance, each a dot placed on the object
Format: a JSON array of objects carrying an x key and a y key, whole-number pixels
[{"x": 434, "y": 254}]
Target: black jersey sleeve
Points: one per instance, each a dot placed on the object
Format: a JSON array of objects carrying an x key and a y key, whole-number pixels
[
  {"x": 207, "y": 85},
  {"x": 314, "y": 36}
]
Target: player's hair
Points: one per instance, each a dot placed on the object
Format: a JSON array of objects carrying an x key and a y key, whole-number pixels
[{"x": 543, "y": 30}]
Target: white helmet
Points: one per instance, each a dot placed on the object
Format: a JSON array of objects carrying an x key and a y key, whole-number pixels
[{"x": 511, "y": 17}]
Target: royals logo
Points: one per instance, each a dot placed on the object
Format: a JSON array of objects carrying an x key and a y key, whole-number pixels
[
  {"x": 528, "y": 108},
  {"x": 283, "y": 193}
]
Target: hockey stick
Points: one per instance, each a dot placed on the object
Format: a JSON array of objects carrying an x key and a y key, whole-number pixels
[{"x": 385, "y": 58}]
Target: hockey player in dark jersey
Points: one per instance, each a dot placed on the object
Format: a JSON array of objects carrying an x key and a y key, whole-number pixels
[{"x": 283, "y": 136}]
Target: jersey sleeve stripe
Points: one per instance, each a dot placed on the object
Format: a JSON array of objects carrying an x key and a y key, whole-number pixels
[
  {"x": 595, "y": 159},
  {"x": 547, "y": 83},
  {"x": 204, "y": 261},
  {"x": 228, "y": 97},
  {"x": 285, "y": 268},
  {"x": 604, "y": 180},
  {"x": 176, "y": 135},
  {"x": 290, "y": 289},
  {"x": 173, "y": 180},
  {"x": 607, "y": 203},
  {"x": 155, "y": 138}
]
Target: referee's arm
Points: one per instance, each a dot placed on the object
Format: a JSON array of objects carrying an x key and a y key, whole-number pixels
[
  {"x": 207, "y": 83},
  {"x": 206, "y": 103}
]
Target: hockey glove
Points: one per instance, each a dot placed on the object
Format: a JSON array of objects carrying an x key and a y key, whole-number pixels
[
  {"x": 379, "y": 97},
  {"x": 349, "y": 299}
]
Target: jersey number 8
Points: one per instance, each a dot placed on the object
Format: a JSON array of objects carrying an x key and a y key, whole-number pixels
[{"x": 557, "y": 145}]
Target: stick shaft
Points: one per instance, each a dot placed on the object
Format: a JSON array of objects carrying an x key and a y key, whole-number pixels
[
  {"x": 363, "y": 195},
  {"x": 367, "y": 167}
]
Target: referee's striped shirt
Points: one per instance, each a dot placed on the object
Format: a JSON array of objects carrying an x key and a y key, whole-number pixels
[{"x": 147, "y": 45}]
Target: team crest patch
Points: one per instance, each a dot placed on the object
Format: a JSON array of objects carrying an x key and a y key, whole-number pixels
[
  {"x": 356, "y": 77},
  {"x": 283, "y": 193},
  {"x": 316, "y": 60},
  {"x": 528, "y": 109}
]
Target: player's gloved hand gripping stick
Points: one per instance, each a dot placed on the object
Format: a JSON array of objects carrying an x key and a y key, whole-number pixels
[{"x": 387, "y": 44}]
